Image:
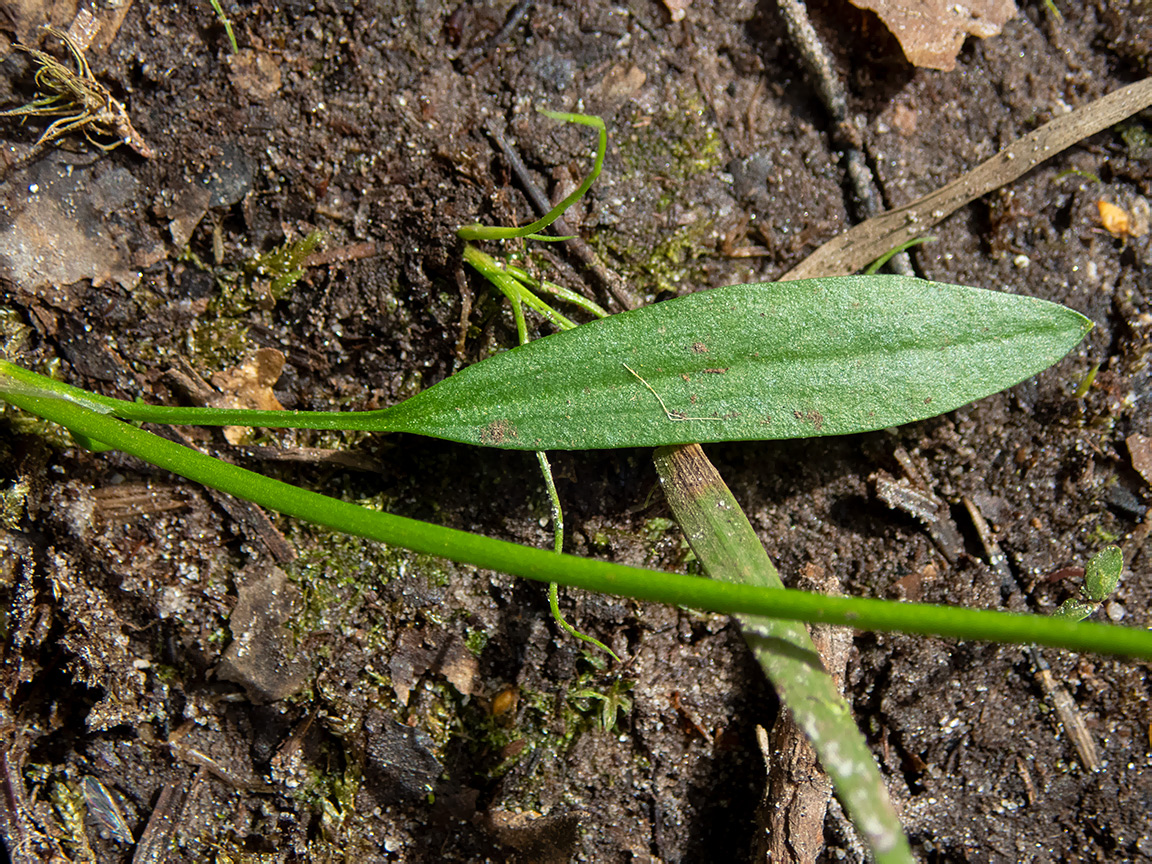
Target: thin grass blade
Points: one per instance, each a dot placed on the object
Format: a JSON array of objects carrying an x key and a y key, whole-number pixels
[{"x": 729, "y": 549}]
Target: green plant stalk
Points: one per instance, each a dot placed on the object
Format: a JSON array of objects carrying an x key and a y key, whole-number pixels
[
  {"x": 566, "y": 294},
  {"x": 515, "y": 293},
  {"x": 570, "y": 570},
  {"x": 875, "y": 266},
  {"x": 558, "y": 546},
  {"x": 512, "y": 286},
  {"x": 729, "y": 549}
]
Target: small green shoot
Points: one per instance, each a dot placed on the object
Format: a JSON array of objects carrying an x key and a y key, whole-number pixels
[
  {"x": 612, "y": 701},
  {"x": 1086, "y": 384},
  {"x": 227, "y": 25},
  {"x": 1101, "y": 576},
  {"x": 558, "y": 545},
  {"x": 490, "y": 232},
  {"x": 1076, "y": 172},
  {"x": 875, "y": 266}
]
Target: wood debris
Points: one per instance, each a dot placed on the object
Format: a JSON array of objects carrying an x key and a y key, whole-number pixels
[{"x": 1069, "y": 714}]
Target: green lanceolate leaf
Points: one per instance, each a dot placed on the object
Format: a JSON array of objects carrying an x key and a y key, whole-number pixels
[
  {"x": 771, "y": 360},
  {"x": 782, "y": 360}
]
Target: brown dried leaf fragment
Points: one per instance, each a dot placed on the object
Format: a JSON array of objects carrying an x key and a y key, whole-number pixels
[
  {"x": 255, "y": 74},
  {"x": 431, "y": 649},
  {"x": 249, "y": 385},
  {"x": 932, "y": 32},
  {"x": 1140, "y": 451}
]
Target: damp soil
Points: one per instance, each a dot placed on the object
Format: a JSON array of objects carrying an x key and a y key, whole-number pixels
[{"x": 279, "y": 693}]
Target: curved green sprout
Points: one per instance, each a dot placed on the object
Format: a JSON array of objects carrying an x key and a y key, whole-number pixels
[{"x": 494, "y": 232}]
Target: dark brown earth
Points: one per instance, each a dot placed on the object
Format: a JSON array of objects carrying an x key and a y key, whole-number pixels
[{"x": 388, "y": 707}]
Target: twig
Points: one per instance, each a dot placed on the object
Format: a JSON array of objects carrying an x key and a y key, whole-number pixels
[
  {"x": 341, "y": 254},
  {"x": 996, "y": 557},
  {"x": 853, "y": 249},
  {"x": 156, "y": 841},
  {"x": 510, "y": 24},
  {"x": 22, "y": 841},
  {"x": 473, "y": 58},
  {"x": 817, "y": 61},
  {"x": 1068, "y": 713},
  {"x": 834, "y": 96},
  {"x": 925, "y": 506},
  {"x": 465, "y": 314}
]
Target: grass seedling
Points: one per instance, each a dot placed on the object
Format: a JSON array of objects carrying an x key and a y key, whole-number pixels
[
  {"x": 80, "y": 102},
  {"x": 875, "y": 266},
  {"x": 490, "y": 232},
  {"x": 1101, "y": 576},
  {"x": 227, "y": 25}
]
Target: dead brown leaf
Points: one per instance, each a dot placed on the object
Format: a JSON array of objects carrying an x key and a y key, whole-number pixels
[
  {"x": 249, "y": 385},
  {"x": 932, "y": 32},
  {"x": 431, "y": 649},
  {"x": 1140, "y": 450}
]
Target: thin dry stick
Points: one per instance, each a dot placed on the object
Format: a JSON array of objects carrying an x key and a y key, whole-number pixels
[
  {"x": 846, "y": 133},
  {"x": 853, "y": 249}
]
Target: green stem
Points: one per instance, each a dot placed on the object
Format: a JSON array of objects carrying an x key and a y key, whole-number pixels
[
  {"x": 512, "y": 286},
  {"x": 558, "y": 544},
  {"x": 570, "y": 570},
  {"x": 227, "y": 25},
  {"x": 566, "y": 294},
  {"x": 18, "y": 380},
  {"x": 875, "y": 266},
  {"x": 495, "y": 232}
]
